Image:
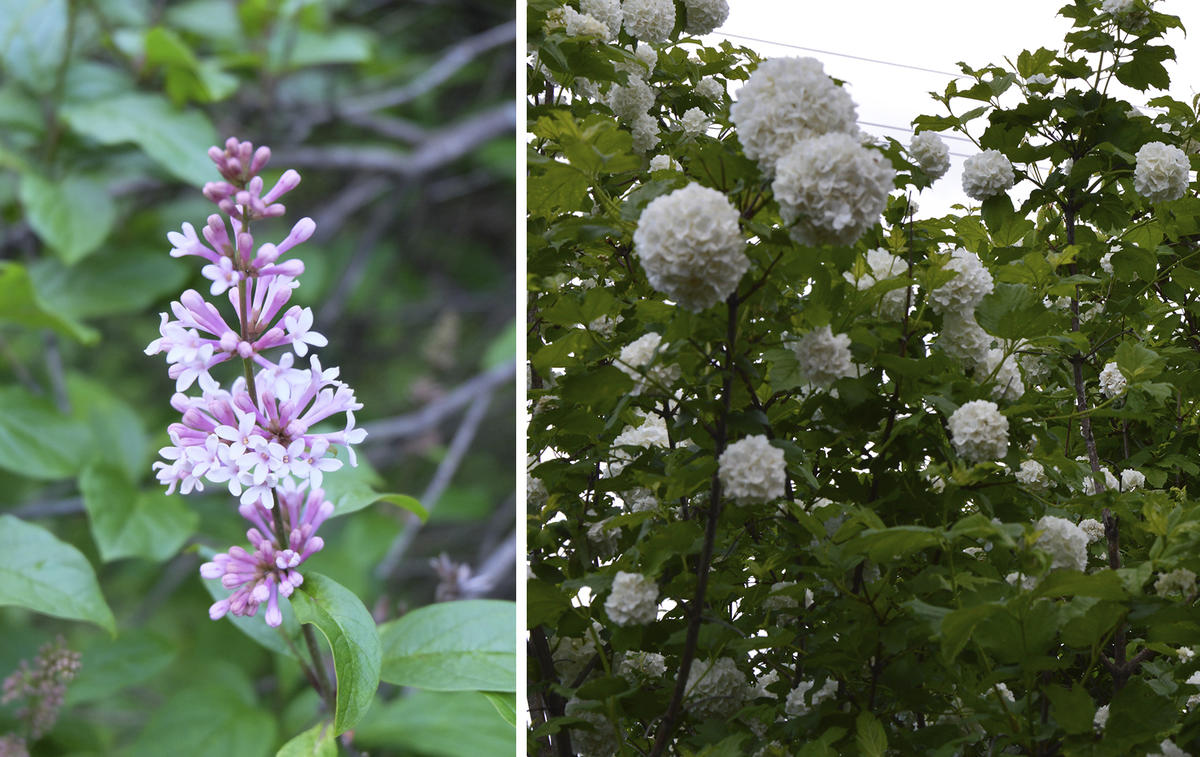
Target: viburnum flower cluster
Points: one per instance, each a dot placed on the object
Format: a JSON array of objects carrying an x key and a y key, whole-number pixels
[
  {"x": 633, "y": 601},
  {"x": 930, "y": 153},
  {"x": 259, "y": 438},
  {"x": 1161, "y": 172},
  {"x": 751, "y": 470},
  {"x": 978, "y": 431},
  {"x": 986, "y": 174}
]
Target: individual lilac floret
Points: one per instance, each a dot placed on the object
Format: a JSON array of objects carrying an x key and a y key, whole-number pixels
[
  {"x": 269, "y": 571},
  {"x": 231, "y": 260}
]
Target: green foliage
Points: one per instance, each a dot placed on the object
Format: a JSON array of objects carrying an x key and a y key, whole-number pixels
[{"x": 452, "y": 646}]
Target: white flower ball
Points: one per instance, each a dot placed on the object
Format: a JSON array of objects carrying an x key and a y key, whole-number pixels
[
  {"x": 787, "y": 100},
  {"x": 1180, "y": 580},
  {"x": 778, "y": 600},
  {"x": 633, "y": 600},
  {"x": 1161, "y": 172},
  {"x": 583, "y": 25},
  {"x": 694, "y": 121},
  {"x": 645, "y": 133},
  {"x": 603, "y": 539},
  {"x": 930, "y": 153},
  {"x": 1092, "y": 528},
  {"x": 715, "y": 689},
  {"x": 703, "y": 16},
  {"x": 664, "y": 163},
  {"x": 979, "y": 432},
  {"x": 831, "y": 189},
  {"x": 1117, "y": 7},
  {"x": 639, "y": 500},
  {"x": 631, "y": 100},
  {"x": 637, "y": 361},
  {"x": 751, "y": 470},
  {"x": 1064, "y": 541},
  {"x": 601, "y": 740},
  {"x": 1132, "y": 479},
  {"x": 1112, "y": 381},
  {"x": 647, "y": 55},
  {"x": 1169, "y": 749},
  {"x": 986, "y": 174},
  {"x": 710, "y": 89},
  {"x": 764, "y": 681},
  {"x": 690, "y": 246},
  {"x": 652, "y": 433},
  {"x": 1100, "y": 719},
  {"x": 1106, "y": 263},
  {"x": 1006, "y": 376},
  {"x": 1032, "y": 474},
  {"x": 961, "y": 337},
  {"x": 607, "y": 12},
  {"x": 881, "y": 266},
  {"x": 641, "y": 666},
  {"x": 970, "y": 285},
  {"x": 795, "y": 705},
  {"x": 649, "y": 20},
  {"x": 824, "y": 357},
  {"x": 1089, "y": 482}
]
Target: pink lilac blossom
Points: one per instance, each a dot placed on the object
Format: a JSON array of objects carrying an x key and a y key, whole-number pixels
[{"x": 259, "y": 438}]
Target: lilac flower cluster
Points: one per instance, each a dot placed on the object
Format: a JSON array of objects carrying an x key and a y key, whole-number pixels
[
  {"x": 256, "y": 437},
  {"x": 41, "y": 687}
]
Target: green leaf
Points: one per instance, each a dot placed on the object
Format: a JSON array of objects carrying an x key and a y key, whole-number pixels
[
  {"x": 109, "y": 282},
  {"x": 317, "y": 741},
  {"x": 255, "y": 627},
  {"x": 129, "y": 523},
  {"x": 43, "y": 574},
  {"x": 452, "y": 724},
  {"x": 870, "y": 737},
  {"x": 1013, "y": 311},
  {"x": 178, "y": 140},
  {"x": 112, "y": 665},
  {"x": 351, "y": 489},
  {"x": 345, "y": 44},
  {"x": 1138, "y": 363},
  {"x": 72, "y": 215},
  {"x": 502, "y": 347},
  {"x": 36, "y": 441},
  {"x": 1104, "y": 584},
  {"x": 1072, "y": 709},
  {"x": 559, "y": 187},
  {"x": 206, "y": 720},
  {"x": 505, "y": 704},
  {"x": 21, "y": 304},
  {"x": 350, "y": 631},
  {"x": 896, "y": 542},
  {"x": 33, "y": 40},
  {"x": 453, "y": 646},
  {"x": 118, "y": 438},
  {"x": 958, "y": 626}
]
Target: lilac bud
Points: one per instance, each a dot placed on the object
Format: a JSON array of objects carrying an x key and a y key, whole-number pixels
[{"x": 261, "y": 156}]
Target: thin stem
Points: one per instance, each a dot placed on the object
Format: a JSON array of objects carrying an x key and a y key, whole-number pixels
[{"x": 322, "y": 684}]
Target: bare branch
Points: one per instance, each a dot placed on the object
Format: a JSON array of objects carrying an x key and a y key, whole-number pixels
[{"x": 414, "y": 424}]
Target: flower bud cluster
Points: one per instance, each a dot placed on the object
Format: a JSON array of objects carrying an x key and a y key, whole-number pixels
[{"x": 41, "y": 686}]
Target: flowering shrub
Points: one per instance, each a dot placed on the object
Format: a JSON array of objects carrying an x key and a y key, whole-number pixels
[{"x": 862, "y": 480}]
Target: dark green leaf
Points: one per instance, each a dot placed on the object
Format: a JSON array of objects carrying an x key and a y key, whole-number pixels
[
  {"x": 55, "y": 211},
  {"x": 1072, "y": 709},
  {"x": 433, "y": 723},
  {"x": 453, "y": 646},
  {"x": 129, "y": 523},
  {"x": 203, "y": 721},
  {"x": 21, "y": 304},
  {"x": 36, "y": 441},
  {"x": 111, "y": 665},
  {"x": 317, "y": 741}
]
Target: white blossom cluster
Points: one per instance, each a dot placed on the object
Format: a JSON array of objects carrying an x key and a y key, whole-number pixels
[
  {"x": 961, "y": 337},
  {"x": 710, "y": 89},
  {"x": 778, "y": 600},
  {"x": 664, "y": 163},
  {"x": 752, "y": 471},
  {"x": 881, "y": 266},
  {"x": 1006, "y": 376},
  {"x": 1132, "y": 479},
  {"x": 576, "y": 24},
  {"x": 694, "y": 122},
  {"x": 930, "y": 152},
  {"x": 632, "y": 100},
  {"x": 831, "y": 189},
  {"x": 1032, "y": 474},
  {"x": 986, "y": 174},
  {"x": 796, "y": 705},
  {"x": 601, "y": 740},
  {"x": 1089, "y": 482},
  {"x": 607, "y": 12},
  {"x": 652, "y": 433},
  {"x": 715, "y": 689},
  {"x": 603, "y": 538},
  {"x": 649, "y": 20},
  {"x": 703, "y": 16},
  {"x": 1112, "y": 381},
  {"x": 1180, "y": 581},
  {"x": 633, "y": 600},
  {"x": 979, "y": 432},
  {"x": 639, "y": 500},
  {"x": 787, "y": 100},
  {"x": 648, "y": 55},
  {"x": 645, "y": 133},
  {"x": 971, "y": 283},
  {"x": 762, "y": 684},
  {"x": 641, "y": 666},
  {"x": 1092, "y": 528},
  {"x": 1169, "y": 749},
  {"x": 571, "y": 655},
  {"x": 823, "y": 356},
  {"x": 1065, "y": 542},
  {"x": 637, "y": 361},
  {"x": 690, "y": 247},
  {"x": 1161, "y": 172}
]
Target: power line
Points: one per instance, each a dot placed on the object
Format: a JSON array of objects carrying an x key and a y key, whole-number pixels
[
  {"x": 910, "y": 130},
  {"x": 842, "y": 55}
]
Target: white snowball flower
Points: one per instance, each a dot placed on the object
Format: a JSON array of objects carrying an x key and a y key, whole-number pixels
[
  {"x": 652, "y": 433},
  {"x": 633, "y": 600},
  {"x": 1100, "y": 719},
  {"x": 779, "y": 601},
  {"x": 632, "y": 100},
  {"x": 664, "y": 163},
  {"x": 1004, "y": 692},
  {"x": 710, "y": 89},
  {"x": 881, "y": 266},
  {"x": 607, "y": 12},
  {"x": 572, "y": 654},
  {"x": 1089, "y": 482},
  {"x": 961, "y": 337},
  {"x": 1092, "y": 528},
  {"x": 690, "y": 246},
  {"x": 824, "y": 357},
  {"x": 1007, "y": 376},
  {"x": 578, "y": 24},
  {"x": 649, "y": 20},
  {"x": 715, "y": 689},
  {"x": 645, "y": 133},
  {"x": 601, "y": 740},
  {"x": 751, "y": 470},
  {"x": 930, "y": 153},
  {"x": 831, "y": 189},
  {"x": 639, "y": 500},
  {"x": 1116, "y": 7},
  {"x": 637, "y": 358},
  {"x": 1180, "y": 580},
  {"x": 787, "y": 100},
  {"x": 764, "y": 681},
  {"x": 703, "y": 16},
  {"x": 694, "y": 121},
  {"x": 979, "y": 432},
  {"x": 971, "y": 283},
  {"x": 640, "y": 665},
  {"x": 1106, "y": 263},
  {"x": 603, "y": 539},
  {"x": 1065, "y": 542},
  {"x": 796, "y": 706},
  {"x": 1169, "y": 749},
  {"x": 1185, "y": 654},
  {"x": 648, "y": 55},
  {"x": 1112, "y": 381},
  {"x": 986, "y": 174},
  {"x": 1032, "y": 474},
  {"x": 1040, "y": 80},
  {"x": 1161, "y": 172},
  {"x": 1132, "y": 479}
]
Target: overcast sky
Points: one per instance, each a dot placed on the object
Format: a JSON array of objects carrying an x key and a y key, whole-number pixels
[{"x": 931, "y": 34}]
